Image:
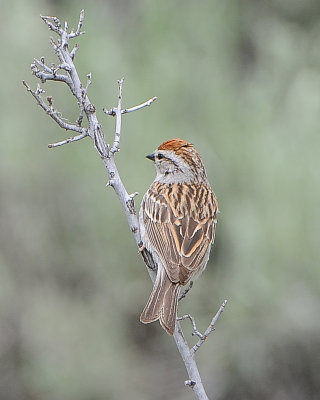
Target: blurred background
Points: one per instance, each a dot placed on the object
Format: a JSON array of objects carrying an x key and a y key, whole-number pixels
[{"x": 240, "y": 80}]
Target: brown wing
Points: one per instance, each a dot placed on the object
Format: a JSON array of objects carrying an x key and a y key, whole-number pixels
[{"x": 180, "y": 223}]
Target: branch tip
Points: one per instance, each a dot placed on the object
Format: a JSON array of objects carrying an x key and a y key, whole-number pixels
[
  {"x": 78, "y": 31},
  {"x": 26, "y": 85}
]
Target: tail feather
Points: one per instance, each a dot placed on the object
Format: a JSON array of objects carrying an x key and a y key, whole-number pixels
[
  {"x": 168, "y": 316},
  {"x": 152, "y": 309},
  {"x": 162, "y": 303}
]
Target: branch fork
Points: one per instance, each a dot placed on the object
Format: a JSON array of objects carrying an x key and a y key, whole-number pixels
[
  {"x": 66, "y": 72},
  {"x": 209, "y": 330}
]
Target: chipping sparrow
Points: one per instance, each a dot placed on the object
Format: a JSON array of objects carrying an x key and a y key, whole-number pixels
[{"x": 178, "y": 217}]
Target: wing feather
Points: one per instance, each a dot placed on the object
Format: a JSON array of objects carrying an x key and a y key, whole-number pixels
[{"x": 180, "y": 223}]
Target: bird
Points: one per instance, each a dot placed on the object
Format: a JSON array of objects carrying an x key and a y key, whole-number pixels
[{"x": 177, "y": 218}]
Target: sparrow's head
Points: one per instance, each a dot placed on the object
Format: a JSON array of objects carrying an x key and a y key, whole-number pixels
[{"x": 177, "y": 161}]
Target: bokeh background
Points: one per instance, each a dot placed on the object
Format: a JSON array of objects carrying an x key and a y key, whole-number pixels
[{"x": 239, "y": 79}]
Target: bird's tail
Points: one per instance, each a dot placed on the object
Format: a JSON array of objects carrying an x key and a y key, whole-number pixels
[{"x": 162, "y": 303}]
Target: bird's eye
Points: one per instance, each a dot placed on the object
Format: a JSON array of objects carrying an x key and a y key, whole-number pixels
[{"x": 160, "y": 156}]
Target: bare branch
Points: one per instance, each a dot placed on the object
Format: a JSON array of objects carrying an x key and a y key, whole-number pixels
[
  {"x": 138, "y": 107},
  {"x": 73, "y": 51},
  {"x": 78, "y": 31},
  {"x": 51, "y": 70},
  {"x": 147, "y": 103},
  {"x": 210, "y": 328},
  {"x": 194, "y": 381},
  {"x": 94, "y": 131},
  {"x": 193, "y": 323},
  {"x": 42, "y": 64},
  {"x": 186, "y": 291},
  {"x": 69, "y": 140},
  {"x": 54, "y": 114},
  {"x": 53, "y": 23},
  {"x": 116, "y": 143},
  {"x": 43, "y": 76}
]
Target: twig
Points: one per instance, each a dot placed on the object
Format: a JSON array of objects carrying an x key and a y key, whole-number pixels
[
  {"x": 116, "y": 143},
  {"x": 42, "y": 64},
  {"x": 55, "y": 25},
  {"x": 74, "y": 51},
  {"x": 210, "y": 328},
  {"x": 147, "y": 103},
  {"x": 43, "y": 76},
  {"x": 78, "y": 31},
  {"x": 193, "y": 323},
  {"x": 54, "y": 114},
  {"x": 186, "y": 291},
  {"x": 139, "y": 106},
  {"x": 68, "y": 140}
]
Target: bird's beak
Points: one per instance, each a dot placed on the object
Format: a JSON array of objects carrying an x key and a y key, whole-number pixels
[{"x": 151, "y": 156}]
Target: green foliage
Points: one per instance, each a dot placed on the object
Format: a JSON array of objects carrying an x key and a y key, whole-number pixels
[{"x": 239, "y": 79}]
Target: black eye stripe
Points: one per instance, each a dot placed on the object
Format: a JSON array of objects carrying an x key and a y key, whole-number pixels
[{"x": 161, "y": 156}]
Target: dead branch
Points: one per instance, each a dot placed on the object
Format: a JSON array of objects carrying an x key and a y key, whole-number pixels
[
  {"x": 186, "y": 291},
  {"x": 66, "y": 72},
  {"x": 203, "y": 337},
  {"x": 210, "y": 328}
]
